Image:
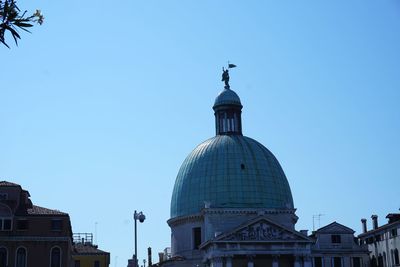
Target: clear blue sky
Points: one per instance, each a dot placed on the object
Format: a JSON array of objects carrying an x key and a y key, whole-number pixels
[{"x": 101, "y": 104}]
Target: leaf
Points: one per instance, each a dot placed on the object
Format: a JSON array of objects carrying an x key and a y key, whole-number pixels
[
  {"x": 22, "y": 24},
  {"x": 4, "y": 43},
  {"x": 14, "y": 34}
]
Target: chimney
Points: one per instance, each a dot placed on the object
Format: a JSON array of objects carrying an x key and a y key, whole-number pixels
[
  {"x": 374, "y": 221},
  {"x": 304, "y": 232},
  {"x": 364, "y": 225},
  {"x": 149, "y": 256},
  {"x": 160, "y": 256}
]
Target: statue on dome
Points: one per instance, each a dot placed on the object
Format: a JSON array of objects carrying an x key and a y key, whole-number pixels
[
  {"x": 225, "y": 77},
  {"x": 225, "y": 74}
]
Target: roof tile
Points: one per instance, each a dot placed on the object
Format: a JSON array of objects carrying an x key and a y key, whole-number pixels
[{"x": 36, "y": 210}]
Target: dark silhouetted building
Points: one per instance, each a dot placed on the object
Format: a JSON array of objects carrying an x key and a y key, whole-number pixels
[{"x": 31, "y": 235}]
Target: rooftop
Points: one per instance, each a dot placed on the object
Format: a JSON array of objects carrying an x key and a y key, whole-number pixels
[
  {"x": 87, "y": 249},
  {"x": 36, "y": 210},
  {"x": 6, "y": 183}
]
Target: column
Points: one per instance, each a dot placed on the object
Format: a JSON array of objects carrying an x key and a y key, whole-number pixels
[
  {"x": 216, "y": 262},
  {"x": 275, "y": 261},
  {"x": 307, "y": 261},
  {"x": 250, "y": 261},
  {"x": 297, "y": 261},
  {"x": 228, "y": 261}
]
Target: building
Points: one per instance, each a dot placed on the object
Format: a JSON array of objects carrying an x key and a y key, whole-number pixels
[
  {"x": 336, "y": 245},
  {"x": 232, "y": 206},
  {"x": 86, "y": 254},
  {"x": 383, "y": 241},
  {"x": 31, "y": 235}
]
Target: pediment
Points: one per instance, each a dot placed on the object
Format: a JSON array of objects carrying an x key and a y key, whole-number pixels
[
  {"x": 262, "y": 229},
  {"x": 335, "y": 227}
]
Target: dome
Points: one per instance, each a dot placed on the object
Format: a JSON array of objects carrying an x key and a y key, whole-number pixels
[
  {"x": 227, "y": 97},
  {"x": 230, "y": 171}
]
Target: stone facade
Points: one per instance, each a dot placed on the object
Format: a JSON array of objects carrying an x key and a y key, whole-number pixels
[
  {"x": 336, "y": 246},
  {"x": 232, "y": 207},
  {"x": 383, "y": 241}
]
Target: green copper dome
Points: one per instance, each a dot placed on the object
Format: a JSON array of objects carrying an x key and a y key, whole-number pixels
[{"x": 230, "y": 171}]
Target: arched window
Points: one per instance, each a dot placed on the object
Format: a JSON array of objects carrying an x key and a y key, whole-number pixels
[
  {"x": 373, "y": 262},
  {"x": 55, "y": 257},
  {"x": 384, "y": 259},
  {"x": 380, "y": 260},
  {"x": 3, "y": 257},
  {"x": 21, "y": 257},
  {"x": 396, "y": 256}
]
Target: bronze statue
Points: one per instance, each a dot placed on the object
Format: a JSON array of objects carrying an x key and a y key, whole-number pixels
[{"x": 225, "y": 77}]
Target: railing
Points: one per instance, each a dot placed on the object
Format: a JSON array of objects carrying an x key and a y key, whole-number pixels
[{"x": 83, "y": 238}]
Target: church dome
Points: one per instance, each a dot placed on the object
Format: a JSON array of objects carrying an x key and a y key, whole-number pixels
[{"x": 229, "y": 170}]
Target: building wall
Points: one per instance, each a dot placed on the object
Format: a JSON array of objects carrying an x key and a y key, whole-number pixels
[
  {"x": 37, "y": 235},
  {"x": 89, "y": 260},
  {"x": 182, "y": 239},
  {"x": 325, "y": 241},
  {"x": 38, "y": 240},
  {"x": 383, "y": 243},
  {"x": 216, "y": 221},
  {"x": 335, "y": 243},
  {"x": 38, "y": 252}
]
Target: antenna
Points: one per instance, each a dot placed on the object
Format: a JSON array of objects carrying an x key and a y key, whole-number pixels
[
  {"x": 95, "y": 233},
  {"x": 318, "y": 217}
]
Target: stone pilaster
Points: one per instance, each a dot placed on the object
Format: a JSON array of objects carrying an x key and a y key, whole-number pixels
[
  {"x": 250, "y": 261},
  {"x": 275, "y": 261},
  {"x": 307, "y": 261},
  {"x": 216, "y": 262},
  {"x": 228, "y": 261},
  {"x": 297, "y": 261}
]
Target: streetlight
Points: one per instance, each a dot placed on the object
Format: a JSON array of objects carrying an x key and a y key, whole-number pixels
[{"x": 141, "y": 217}]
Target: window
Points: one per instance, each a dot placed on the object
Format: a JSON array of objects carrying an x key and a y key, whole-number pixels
[
  {"x": 196, "y": 237},
  {"x": 356, "y": 262},
  {"x": 77, "y": 263},
  {"x": 337, "y": 262},
  {"x": 55, "y": 257},
  {"x": 373, "y": 262},
  {"x": 96, "y": 264},
  {"x": 5, "y": 224},
  {"x": 3, "y": 196},
  {"x": 336, "y": 239},
  {"x": 393, "y": 232},
  {"x": 21, "y": 257},
  {"x": 318, "y": 262},
  {"x": 380, "y": 260},
  {"x": 396, "y": 256},
  {"x": 56, "y": 225},
  {"x": 3, "y": 257},
  {"x": 22, "y": 224}
]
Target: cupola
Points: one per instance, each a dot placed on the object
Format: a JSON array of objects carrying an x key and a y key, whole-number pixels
[{"x": 228, "y": 111}]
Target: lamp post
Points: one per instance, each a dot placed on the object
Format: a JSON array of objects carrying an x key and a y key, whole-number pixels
[{"x": 141, "y": 217}]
